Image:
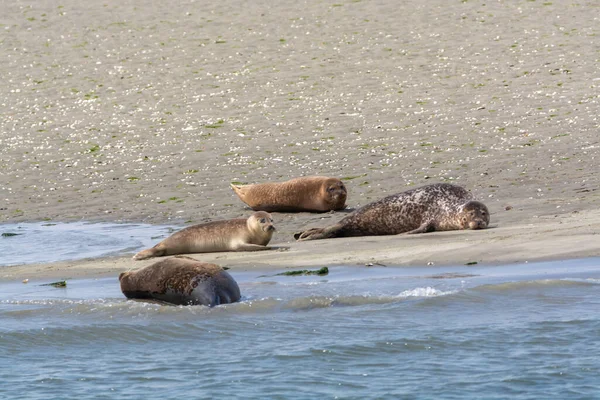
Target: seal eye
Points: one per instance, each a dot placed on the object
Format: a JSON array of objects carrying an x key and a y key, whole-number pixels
[{"x": 262, "y": 220}]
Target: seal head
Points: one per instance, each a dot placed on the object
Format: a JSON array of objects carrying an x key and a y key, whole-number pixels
[
  {"x": 474, "y": 215},
  {"x": 334, "y": 194},
  {"x": 261, "y": 222}
]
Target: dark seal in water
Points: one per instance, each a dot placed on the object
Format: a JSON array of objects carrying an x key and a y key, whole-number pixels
[{"x": 181, "y": 280}]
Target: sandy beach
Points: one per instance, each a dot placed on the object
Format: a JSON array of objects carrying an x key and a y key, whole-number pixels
[{"x": 136, "y": 112}]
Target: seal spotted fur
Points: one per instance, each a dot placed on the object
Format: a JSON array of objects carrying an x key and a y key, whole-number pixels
[
  {"x": 437, "y": 207},
  {"x": 239, "y": 234},
  {"x": 308, "y": 193},
  {"x": 181, "y": 280}
]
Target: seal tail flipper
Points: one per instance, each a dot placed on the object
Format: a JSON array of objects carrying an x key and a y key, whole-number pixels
[
  {"x": 243, "y": 192},
  {"x": 155, "y": 251},
  {"x": 239, "y": 190},
  {"x": 143, "y": 255},
  {"x": 318, "y": 233}
]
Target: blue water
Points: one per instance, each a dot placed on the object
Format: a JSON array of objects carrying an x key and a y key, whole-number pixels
[
  {"x": 528, "y": 331},
  {"x": 44, "y": 242}
]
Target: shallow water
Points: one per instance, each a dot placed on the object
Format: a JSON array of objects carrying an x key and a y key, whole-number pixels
[
  {"x": 522, "y": 332},
  {"x": 44, "y": 242}
]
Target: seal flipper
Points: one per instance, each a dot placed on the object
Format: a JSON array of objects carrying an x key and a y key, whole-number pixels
[
  {"x": 307, "y": 235},
  {"x": 240, "y": 190},
  {"x": 143, "y": 255},
  {"x": 155, "y": 251},
  {"x": 427, "y": 226},
  {"x": 319, "y": 233}
]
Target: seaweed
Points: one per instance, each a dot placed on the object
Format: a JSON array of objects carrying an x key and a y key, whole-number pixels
[
  {"x": 58, "y": 284},
  {"x": 320, "y": 272}
]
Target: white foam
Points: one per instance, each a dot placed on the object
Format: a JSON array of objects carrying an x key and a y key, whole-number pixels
[{"x": 424, "y": 292}]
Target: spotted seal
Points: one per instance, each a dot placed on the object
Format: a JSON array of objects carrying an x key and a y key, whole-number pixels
[
  {"x": 437, "y": 207},
  {"x": 308, "y": 193},
  {"x": 240, "y": 234},
  {"x": 181, "y": 280}
]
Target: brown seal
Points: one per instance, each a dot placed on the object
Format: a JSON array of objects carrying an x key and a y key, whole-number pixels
[
  {"x": 181, "y": 280},
  {"x": 308, "y": 193},
  {"x": 438, "y": 207},
  {"x": 240, "y": 234}
]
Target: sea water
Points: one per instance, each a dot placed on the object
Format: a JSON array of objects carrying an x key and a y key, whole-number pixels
[
  {"x": 45, "y": 242},
  {"x": 529, "y": 331}
]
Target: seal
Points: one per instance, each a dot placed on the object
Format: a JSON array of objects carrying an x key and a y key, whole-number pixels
[
  {"x": 437, "y": 207},
  {"x": 181, "y": 280},
  {"x": 308, "y": 193},
  {"x": 240, "y": 234}
]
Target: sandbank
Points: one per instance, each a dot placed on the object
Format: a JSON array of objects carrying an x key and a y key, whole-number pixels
[{"x": 136, "y": 112}]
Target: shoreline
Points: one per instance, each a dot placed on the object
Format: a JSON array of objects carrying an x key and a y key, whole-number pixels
[{"x": 559, "y": 237}]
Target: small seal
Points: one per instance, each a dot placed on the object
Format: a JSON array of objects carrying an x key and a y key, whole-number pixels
[
  {"x": 308, "y": 193},
  {"x": 239, "y": 234},
  {"x": 437, "y": 207},
  {"x": 181, "y": 280}
]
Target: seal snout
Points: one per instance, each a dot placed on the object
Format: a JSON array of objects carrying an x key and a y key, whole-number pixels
[
  {"x": 338, "y": 190},
  {"x": 263, "y": 221},
  {"x": 339, "y": 195},
  {"x": 269, "y": 228},
  {"x": 477, "y": 224}
]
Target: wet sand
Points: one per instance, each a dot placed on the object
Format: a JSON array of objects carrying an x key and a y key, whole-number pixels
[
  {"x": 125, "y": 112},
  {"x": 545, "y": 238}
]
